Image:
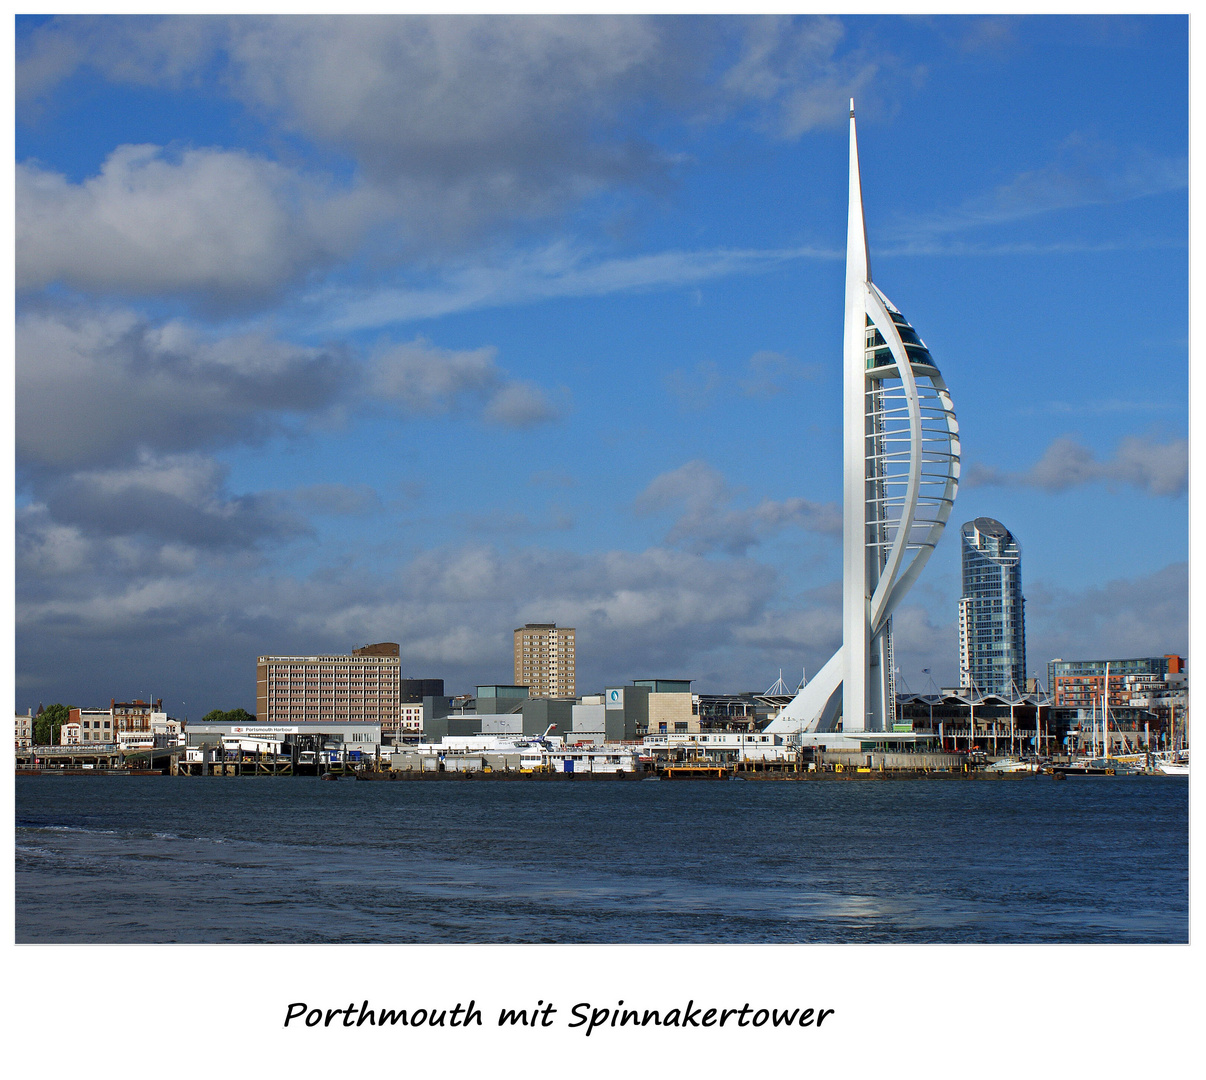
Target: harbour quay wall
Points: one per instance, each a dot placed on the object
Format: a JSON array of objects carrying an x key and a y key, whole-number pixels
[{"x": 409, "y": 761}]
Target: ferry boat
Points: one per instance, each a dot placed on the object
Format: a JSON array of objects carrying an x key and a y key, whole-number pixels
[{"x": 581, "y": 759}]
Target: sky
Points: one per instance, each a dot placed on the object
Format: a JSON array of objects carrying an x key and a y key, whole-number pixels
[{"x": 340, "y": 330}]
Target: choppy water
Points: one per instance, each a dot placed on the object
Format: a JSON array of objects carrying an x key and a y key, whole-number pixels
[{"x": 298, "y": 860}]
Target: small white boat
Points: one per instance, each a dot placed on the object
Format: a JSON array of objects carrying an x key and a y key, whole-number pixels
[
  {"x": 1173, "y": 764},
  {"x": 1011, "y": 765}
]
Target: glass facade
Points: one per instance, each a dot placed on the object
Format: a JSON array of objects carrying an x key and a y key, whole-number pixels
[{"x": 992, "y": 625}]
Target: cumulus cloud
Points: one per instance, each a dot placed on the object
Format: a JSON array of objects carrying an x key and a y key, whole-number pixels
[
  {"x": 117, "y": 417},
  {"x": 98, "y": 388},
  {"x": 421, "y": 377},
  {"x": 217, "y": 222},
  {"x": 1152, "y": 467},
  {"x": 452, "y": 610},
  {"x": 468, "y": 121},
  {"x": 1143, "y": 616},
  {"x": 178, "y": 499},
  {"x": 708, "y": 522}
]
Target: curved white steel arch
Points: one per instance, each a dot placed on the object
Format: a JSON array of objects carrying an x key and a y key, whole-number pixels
[{"x": 901, "y": 476}]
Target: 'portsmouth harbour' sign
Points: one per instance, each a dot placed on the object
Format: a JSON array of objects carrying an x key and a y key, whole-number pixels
[{"x": 262, "y": 729}]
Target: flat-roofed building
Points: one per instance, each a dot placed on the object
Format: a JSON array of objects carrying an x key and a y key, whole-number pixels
[
  {"x": 361, "y": 688},
  {"x": 652, "y": 706},
  {"x": 89, "y": 726},
  {"x": 545, "y": 660},
  {"x": 1080, "y": 683}
]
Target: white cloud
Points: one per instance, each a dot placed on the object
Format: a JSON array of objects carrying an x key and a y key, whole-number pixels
[
  {"x": 1154, "y": 468},
  {"x": 217, "y": 222},
  {"x": 423, "y": 378},
  {"x": 1143, "y": 616},
  {"x": 461, "y": 124},
  {"x": 93, "y": 388},
  {"x": 1085, "y": 173},
  {"x": 452, "y": 610},
  {"x": 766, "y": 374},
  {"x": 558, "y": 270},
  {"x": 521, "y": 405},
  {"x": 772, "y": 373},
  {"x": 707, "y": 522},
  {"x": 179, "y": 499},
  {"x": 97, "y": 388},
  {"x": 794, "y": 68}
]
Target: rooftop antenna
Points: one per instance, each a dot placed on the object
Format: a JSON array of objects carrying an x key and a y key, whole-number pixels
[{"x": 778, "y": 688}]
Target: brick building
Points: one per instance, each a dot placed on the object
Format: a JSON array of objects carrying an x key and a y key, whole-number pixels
[
  {"x": 1079, "y": 683},
  {"x": 363, "y": 687},
  {"x": 544, "y": 659}
]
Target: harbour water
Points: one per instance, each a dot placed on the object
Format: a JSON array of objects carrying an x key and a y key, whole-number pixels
[{"x": 117, "y": 859}]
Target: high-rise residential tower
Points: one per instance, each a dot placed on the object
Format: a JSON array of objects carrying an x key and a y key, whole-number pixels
[
  {"x": 900, "y": 476},
  {"x": 544, "y": 659},
  {"x": 992, "y": 624}
]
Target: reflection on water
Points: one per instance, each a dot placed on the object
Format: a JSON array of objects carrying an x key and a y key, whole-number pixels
[{"x": 297, "y": 860}]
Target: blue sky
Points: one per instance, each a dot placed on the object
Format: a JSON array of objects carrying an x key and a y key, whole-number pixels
[{"x": 336, "y": 331}]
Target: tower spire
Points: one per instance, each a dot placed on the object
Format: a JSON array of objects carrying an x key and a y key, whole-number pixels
[{"x": 858, "y": 258}]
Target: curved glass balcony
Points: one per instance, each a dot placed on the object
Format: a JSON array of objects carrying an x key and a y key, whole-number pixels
[{"x": 880, "y": 356}]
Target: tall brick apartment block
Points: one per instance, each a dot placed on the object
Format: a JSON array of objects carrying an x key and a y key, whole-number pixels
[{"x": 544, "y": 659}]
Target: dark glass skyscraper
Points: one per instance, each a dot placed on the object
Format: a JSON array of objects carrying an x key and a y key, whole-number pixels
[{"x": 992, "y": 625}]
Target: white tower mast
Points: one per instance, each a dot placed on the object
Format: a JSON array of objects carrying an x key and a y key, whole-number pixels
[
  {"x": 900, "y": 475},
  {"x": 858, "y": 574}
]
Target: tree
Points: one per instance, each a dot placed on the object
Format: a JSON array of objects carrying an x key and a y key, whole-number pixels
[
  {"x": 234, "y": 716},
  {"x": 48, "y": 724}
]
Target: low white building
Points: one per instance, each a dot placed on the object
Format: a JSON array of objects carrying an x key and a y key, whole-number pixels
[{"x": 724, "y": 746}]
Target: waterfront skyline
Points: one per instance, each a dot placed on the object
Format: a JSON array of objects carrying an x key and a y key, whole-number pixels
[{"x": 299, "y": 370}]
